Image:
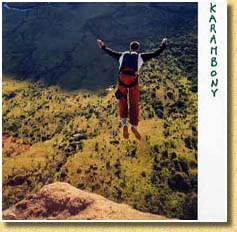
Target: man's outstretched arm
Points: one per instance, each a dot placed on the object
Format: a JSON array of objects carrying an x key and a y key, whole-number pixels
[
  {"x": 109, "y": 51},
  {"x": 149, "y": 55}
]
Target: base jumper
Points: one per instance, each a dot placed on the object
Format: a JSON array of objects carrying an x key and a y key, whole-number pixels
[{"x": 130, "y": 63}]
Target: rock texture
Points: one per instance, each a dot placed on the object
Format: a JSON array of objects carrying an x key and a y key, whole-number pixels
[{"x": 61, "y": 201}]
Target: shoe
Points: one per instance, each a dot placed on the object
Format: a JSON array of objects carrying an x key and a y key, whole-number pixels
[
  {"x": 125, "y": 132},
  {"x": 136, "y": 133}
]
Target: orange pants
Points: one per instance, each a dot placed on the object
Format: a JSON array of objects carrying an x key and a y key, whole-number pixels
[{"x": 134, "y": 96}]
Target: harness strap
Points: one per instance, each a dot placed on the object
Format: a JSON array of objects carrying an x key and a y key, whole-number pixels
[
  {"x": 129, "y": 72},
  {"x": 134, "y": 83}
]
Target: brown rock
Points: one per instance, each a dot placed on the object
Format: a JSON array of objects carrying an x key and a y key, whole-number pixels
[{"x": 61, "y": 201}]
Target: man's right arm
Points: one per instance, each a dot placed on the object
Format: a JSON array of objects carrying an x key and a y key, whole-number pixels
[{"x": 149, "y": 55}]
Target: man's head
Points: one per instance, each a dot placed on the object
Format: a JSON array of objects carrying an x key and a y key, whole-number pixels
[{"x": 134, "y": 46}]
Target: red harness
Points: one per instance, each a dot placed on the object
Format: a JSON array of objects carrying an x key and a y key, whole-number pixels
[{"x": 128, "y": 78}]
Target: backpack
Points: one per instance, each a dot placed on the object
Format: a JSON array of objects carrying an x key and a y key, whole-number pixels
[
  {"x": 128, "y": 67},
  {"x": 129, "y": 63}
]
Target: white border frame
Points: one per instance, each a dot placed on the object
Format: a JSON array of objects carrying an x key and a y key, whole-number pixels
[{"x": 212, "y": 115}]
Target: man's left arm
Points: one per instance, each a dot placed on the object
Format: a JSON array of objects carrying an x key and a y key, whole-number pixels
[{"x": 109, "y": 51}]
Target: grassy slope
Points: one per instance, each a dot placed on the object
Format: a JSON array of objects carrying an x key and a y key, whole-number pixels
[{"x": 75, "y": 137}]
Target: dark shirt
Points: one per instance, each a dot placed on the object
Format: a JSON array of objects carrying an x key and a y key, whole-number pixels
[{"x": 145, "y": 56}]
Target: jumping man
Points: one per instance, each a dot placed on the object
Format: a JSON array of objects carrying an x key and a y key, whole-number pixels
[{"x": 130, "y": 63}]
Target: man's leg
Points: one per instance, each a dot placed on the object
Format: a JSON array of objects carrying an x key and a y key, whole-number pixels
[
  {"x": 134, "y": 97},
  {"x": 123, "y": 110}
]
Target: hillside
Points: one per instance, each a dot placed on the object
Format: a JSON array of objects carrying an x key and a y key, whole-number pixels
[
  {"x": 55, "y": 42},
  {"x": 51, "y": 134},
  {"x": 61, "y": 201}
]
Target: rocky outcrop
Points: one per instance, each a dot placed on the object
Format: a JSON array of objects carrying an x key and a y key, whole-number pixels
[{"x": 61, "y": 201}]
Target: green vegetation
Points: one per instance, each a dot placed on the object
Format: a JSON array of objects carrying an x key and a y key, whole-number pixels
[
  {"x": 56, "y": 42},
  {"x": 53, "y": 135}
]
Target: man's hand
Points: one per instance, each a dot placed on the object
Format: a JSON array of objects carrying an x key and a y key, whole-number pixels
[
  {"x": 164, "y": 41},
  {"x": 100, "y": 43}
]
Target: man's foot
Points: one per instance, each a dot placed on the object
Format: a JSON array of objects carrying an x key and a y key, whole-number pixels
[
  {"x": 136, "y": 133},
  {"x": 125, "y": 132}
]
